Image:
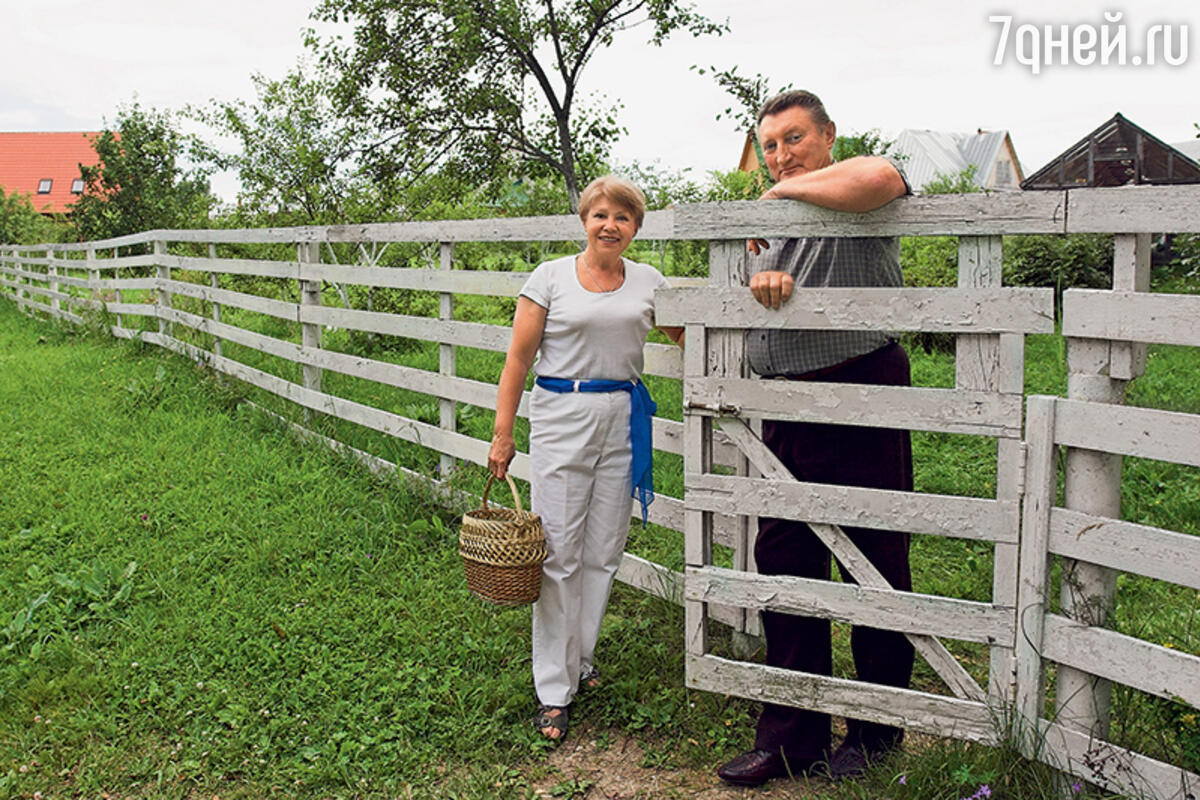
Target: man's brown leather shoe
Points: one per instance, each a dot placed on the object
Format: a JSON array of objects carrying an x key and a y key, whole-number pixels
[
  {"x": 756, "y": 767},
  {"x": 753, "y": 768}
]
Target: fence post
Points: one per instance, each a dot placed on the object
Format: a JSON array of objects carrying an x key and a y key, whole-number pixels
[
  {"x": 216, "y": 307},
  {"x": 1098, "y": 372},
  {"x": 697, "y": 525},
  {"x": 93, "y": 276},
  {"x": 52, "y": 278},
  {"x": 120, "y": 295},
  {"x": 447, "y": 415},
  {"x": 310, "y": 295},
  {"x": 29, "y": 270},
  {"x": 726, "y": 357},
  {"x": 1131, "y": 273},
  {"x": 24, "y": 282},
  {"x": 1034, "y": 585},
  {"x": 994, "y": 363},
  {"x": 164, "y": 296},
  {"x": 49, "y": 258},
  {"x": 14, "y": 280}
]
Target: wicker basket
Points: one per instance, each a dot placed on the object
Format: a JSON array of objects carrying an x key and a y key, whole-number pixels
[{"x": 502, "y": 551}]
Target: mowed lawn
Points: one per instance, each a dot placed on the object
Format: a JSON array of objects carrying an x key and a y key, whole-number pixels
[{"x": 192, "y": 603}]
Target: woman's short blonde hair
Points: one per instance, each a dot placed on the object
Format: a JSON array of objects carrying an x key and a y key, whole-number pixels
[{"x": 617, "y": 190}]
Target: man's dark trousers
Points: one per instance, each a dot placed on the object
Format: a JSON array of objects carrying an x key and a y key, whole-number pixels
[{"x": 848, "y": 456}]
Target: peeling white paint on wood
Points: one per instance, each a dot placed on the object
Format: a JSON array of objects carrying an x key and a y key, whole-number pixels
[
  {"x": 1130, "y": 431},
  {"x": 909, "y": 408},
  {"x": 1154, "y": 552},
  {"x": 1170, "y": 674},
  {"x": 973, "y": 518},
  {"x": 1133, "y": 209},
  {"x": 1113, "y": 767},
  {"x": 906, "y": 708},
  {"x": 944, "y": 310},
  {"x": 907, "y": 612},
  {"x": 1132, "y": 316}
]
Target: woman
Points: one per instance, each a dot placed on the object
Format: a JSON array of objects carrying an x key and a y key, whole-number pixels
[{"x": 588, "y": 316}]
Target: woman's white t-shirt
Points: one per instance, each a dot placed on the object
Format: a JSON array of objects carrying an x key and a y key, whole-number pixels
[{"x": 593, "y": 335}]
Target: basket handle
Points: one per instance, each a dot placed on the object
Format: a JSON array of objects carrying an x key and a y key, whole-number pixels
[{"x": 511, "y": 485}]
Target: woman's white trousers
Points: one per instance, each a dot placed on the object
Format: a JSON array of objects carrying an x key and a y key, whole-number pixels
[{"x": 580, "y": 460}]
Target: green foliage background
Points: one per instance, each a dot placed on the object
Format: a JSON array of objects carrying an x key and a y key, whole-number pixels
[
  {"x": 140, "y": 183},
  {"x": 20, "y": 223}
]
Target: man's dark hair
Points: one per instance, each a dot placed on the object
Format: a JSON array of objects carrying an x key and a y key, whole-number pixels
[{"x": 797, "y": 98}]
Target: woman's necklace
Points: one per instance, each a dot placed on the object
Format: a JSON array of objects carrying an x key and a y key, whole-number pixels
[{"x": 600, "y": 286}]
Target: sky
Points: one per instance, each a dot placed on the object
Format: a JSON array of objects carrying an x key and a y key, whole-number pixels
[{"x": 877, "y": 64}]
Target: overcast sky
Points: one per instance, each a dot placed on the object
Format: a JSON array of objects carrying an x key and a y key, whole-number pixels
[{"x": 886, "y": 64}]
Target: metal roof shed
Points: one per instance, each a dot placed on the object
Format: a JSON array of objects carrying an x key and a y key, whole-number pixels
[{"x": 929, "y": 155}]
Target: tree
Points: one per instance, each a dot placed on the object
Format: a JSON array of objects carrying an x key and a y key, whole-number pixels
[
  {"x": 961, "y": 182},
  {"x": 139, "y": 184},
  {"x": 750, "y": 94},
  {"x": 20, "y": 223},
  {"x": 867, "y": 143},
  {"x": 296, "y": 160},
  {"x": 466, "y": 85}
]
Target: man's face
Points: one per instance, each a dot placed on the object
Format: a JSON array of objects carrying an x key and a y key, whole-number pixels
[{"x": 794, "y": 144}]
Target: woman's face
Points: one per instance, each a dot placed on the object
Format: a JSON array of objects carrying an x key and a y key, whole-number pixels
[{"x": 609, "y": 227}]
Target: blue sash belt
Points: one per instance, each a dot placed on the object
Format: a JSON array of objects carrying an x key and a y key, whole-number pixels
[{"x": 641, "y": 412}]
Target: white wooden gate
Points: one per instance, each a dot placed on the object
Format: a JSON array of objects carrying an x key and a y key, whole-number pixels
[
  {"x": 986, "y": 401},
  {"x": 990, "y": 322}
]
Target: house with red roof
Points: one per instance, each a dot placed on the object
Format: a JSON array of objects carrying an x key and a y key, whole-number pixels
[{"x": 45, "y": 166}]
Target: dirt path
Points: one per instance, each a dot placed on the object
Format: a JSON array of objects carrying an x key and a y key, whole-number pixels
[{"x": 613, "y": 772}]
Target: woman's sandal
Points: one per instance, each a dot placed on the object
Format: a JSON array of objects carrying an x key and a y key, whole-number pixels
[
  {"x": 591, "y": 679},
  {"x": 556, "y": 722}
]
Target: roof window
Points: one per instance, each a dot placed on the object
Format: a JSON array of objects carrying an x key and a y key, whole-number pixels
[
  {"x": 44, "y": 185},
  {"x": 77, "y": 186}
]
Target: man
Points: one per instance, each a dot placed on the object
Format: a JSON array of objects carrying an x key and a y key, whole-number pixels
[{"x": 797, "y": 139}]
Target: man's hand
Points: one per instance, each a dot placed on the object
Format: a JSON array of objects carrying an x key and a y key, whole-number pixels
[
  {"x": 757, "y": 245},
  {"x": 771, "y": 288},
  {"x": 774, "y": 193}
]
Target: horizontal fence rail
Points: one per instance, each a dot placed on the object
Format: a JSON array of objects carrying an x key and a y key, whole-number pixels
[{"x": 274, "y": 308}]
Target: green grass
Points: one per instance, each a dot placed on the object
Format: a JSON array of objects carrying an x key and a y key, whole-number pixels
[
  {"x": 214, "y": 605},
  {"x": 194, "y": 604}
]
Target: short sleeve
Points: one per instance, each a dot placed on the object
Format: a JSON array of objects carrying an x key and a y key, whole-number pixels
[
  {"x": 895, "y": 162},
  {"x": 537, "y": 286}
]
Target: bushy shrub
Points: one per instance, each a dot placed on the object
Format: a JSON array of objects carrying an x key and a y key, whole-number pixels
[
  {"x": 1058, "y": 262},
  {"x": 1185, "y": 254},
  {"x": 962, "y": 182},
  {"x": 1082, "y": 260},
  {"x": 20, "y": 223},
  {"x": 929, "y": 260}
]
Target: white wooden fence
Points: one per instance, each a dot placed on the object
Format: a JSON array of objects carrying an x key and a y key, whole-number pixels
[{"x": 1106, "y": 334}]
